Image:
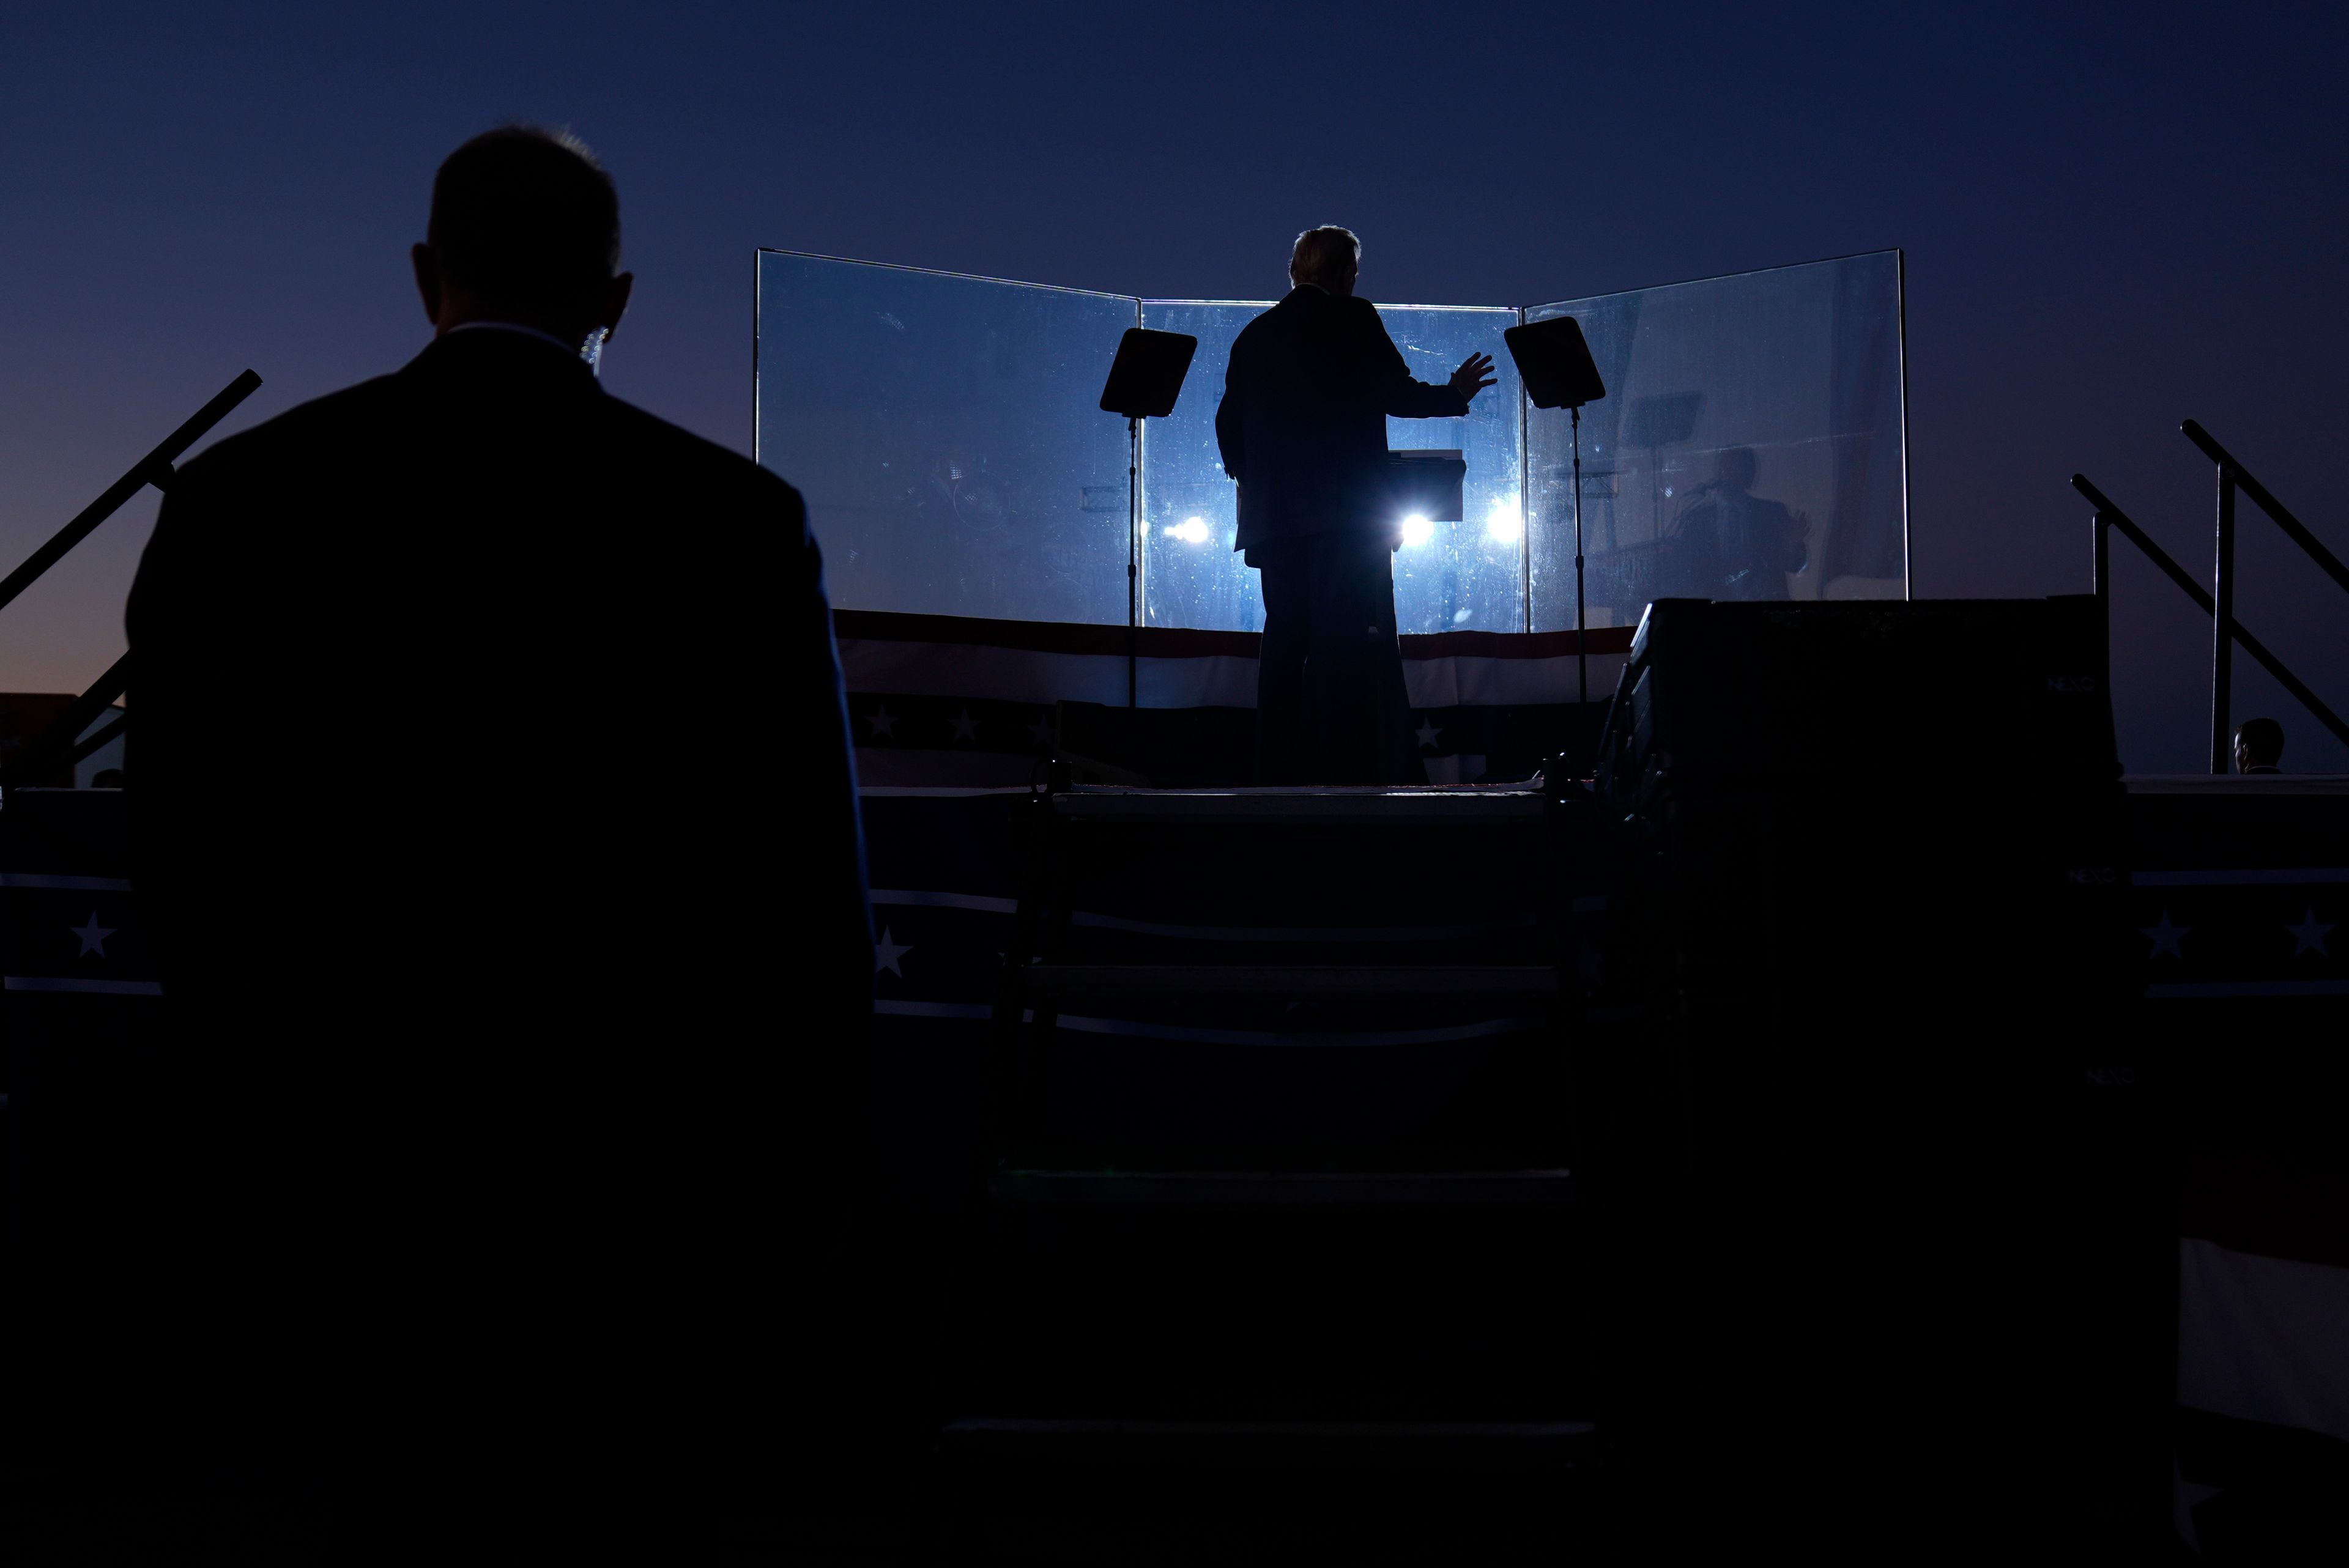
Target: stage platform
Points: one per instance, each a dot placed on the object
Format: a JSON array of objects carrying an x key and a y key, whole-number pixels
[
  {"x": 2231, "y": 864},
  {"x": 961, "y": 701},
  {"x": 2235, "y": 889}
]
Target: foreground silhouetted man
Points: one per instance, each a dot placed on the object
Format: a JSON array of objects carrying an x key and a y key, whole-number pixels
[
  {"x": 524, "y": 1072},
  {"x": 1303, "y": 430}
]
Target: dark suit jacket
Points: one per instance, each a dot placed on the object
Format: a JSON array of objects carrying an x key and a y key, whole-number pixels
[
  {"x": 493, "y": 792},
  {"x": 1303, "y": 423}
]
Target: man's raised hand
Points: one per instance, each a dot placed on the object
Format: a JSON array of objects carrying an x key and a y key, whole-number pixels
[{"x": 1475, "y": 374}]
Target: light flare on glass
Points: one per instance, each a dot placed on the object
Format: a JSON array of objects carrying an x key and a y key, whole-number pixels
[{"x": 1416, "y": 530}]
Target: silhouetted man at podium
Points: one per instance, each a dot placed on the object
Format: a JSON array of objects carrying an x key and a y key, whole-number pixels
[
  {"x": 1303, "y": 430},
  {"x": 529, "y": 1105}
]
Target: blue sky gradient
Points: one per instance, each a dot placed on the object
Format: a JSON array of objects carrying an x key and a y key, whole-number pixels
[{"x": 2115, "y": 217}]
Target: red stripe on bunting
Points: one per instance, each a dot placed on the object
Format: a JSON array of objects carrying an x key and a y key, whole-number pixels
[{"x": 1186, "y": 643}]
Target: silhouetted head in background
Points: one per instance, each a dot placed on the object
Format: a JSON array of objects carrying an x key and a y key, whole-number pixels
[
  {"x": 2258, "y": 745},
  {"x": 525, "y": 229},
  {"x": 1328, "y": 258},
  {"x": 1735, "y": 468}
]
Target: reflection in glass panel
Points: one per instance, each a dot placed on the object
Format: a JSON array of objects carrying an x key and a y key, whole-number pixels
[
  {"x": 1750, "y": 445},
  {"x": 1449, "y": 577},
  {"x": 947, "y": 433}
]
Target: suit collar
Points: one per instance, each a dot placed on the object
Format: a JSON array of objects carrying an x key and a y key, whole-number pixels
[
  {"x": 1306, "y": 297},
  {"x": 546, "y": 337},
  {"x": 517, "y": 355}
]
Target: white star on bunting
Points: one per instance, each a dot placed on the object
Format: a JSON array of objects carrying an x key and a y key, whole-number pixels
[
  {"x": 886, "y": 954},
  {"x": 1427, "y": 734},
  {"x": 93, "y": 937},
  {"x": 883, "y": 721},
  {"x": 2310, "y": 935},
  {"x": 1042, "y": 729},
  {"x": 2166, "y": 937},
  {"x": 965, "y": 726}
]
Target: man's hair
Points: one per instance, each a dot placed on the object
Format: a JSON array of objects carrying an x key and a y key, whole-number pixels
[
  {"x": 2263, "y": 739},
  {"x": 521, "y": 213},
  {"x": 1324, "y": 256}
]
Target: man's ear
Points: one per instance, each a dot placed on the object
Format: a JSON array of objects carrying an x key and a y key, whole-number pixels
[
  {"x": 615, "y": 303},
  {"x": 428, "y": 280}
]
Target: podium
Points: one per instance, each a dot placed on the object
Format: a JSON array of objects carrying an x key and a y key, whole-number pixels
[{"x": 1429, "y": 482}]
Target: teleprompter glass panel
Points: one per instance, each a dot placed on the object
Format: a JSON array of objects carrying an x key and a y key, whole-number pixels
[
  {"x": 947, "y": 433},
  {"x": 1190, "y": 507},
  {"x": 1750, "y": 445},
  {"x": 1448, "y": 575},
  {"x": 1466, "y": 575}
]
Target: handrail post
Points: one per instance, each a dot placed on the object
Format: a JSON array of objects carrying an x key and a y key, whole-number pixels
[
  {"x": 2264, "y": 498},
  {"x": 2199, "y": 597},
  {"x": 2222, "y": 622}
]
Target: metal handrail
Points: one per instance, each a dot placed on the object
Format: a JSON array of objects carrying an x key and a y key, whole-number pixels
[
  {"x": 58, "y": 739},
  {"x": 88, "y": 744},
  {"x": 2233, "y": 476},
  {"x": 155, "y": 469},
  {"x": 2110, "y": 516},
  {"x": 2267, "y": 502}
]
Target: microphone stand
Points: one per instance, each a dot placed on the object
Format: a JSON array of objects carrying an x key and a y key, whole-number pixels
[
  {"x": 1554, "y": 358},
  {"x": 1581, "y": 634},
  {"x": 1144, "y": 379},
  {"x": 1132, "y": 553}
]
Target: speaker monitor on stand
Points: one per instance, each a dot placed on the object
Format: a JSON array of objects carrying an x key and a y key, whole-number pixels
[
  {"x": 1554, "y": 364},
  {"x": 1144, "y": 380}
]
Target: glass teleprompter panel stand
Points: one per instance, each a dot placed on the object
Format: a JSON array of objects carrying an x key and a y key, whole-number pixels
[{"x": 946, "y": 434}]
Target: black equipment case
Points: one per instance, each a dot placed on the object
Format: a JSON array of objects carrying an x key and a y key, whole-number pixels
[{"x": 1884, "y": 1224}]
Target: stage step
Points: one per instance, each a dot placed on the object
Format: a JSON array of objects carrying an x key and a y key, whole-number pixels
[
  {"x": 1045, "y": 982},
  {"x": 1274, "y": 1445},
  {"x": 1268, "y": 1494},
  {"x": 1432, "y": 808},
  {"x": 1200, "y": 1251},
  {"x": 1253, "y": 1295},
  {"x": 1283, "y": 1189}
]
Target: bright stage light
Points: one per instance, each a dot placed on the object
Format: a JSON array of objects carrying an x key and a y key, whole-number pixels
[
  {"x": 1190, "y": 530},
  {"x": 1417, "y": 530},
  {"x": 1506, "y": 523}
]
